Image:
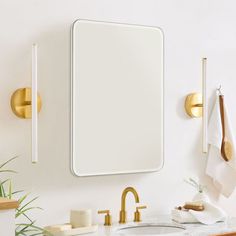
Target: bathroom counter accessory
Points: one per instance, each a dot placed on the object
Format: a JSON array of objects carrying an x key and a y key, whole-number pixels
[
  {"x": 7, "y": 204},
  {"x": 77, "y": 231}
]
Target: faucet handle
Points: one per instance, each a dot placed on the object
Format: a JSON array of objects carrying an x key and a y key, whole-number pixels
[
  {"x": 137, "y": 214},
  {"x": 107, "y": 217}
]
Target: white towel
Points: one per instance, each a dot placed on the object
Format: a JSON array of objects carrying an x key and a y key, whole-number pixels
[
  {"x": 223, "y": 173},
  {"x": 181, "y": 216},
  {"x": 210, "y": 215}
]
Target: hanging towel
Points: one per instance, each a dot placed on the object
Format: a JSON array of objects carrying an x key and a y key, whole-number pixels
[{"x": 222, "y": 173}]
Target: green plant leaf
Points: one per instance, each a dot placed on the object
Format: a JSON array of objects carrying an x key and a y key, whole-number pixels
[
  {"x": 20, "y": 212},
  {"x": 16, "y": 192},
  {"x": 10, "y": 190},
  {"x": 32, "y": 228},
  {"x": 5, "y": 163},
  {"x": 28, "y": 203},
  {"x": 24, "y": 229},
  {"x": 23, "y": 198},
  {"x": 8, "y": 171},
  {"x": 6, "y": 190},
  {"x": 5, "y": 181},
  {"x": 27, "y": 217},
  {"x": 2, "y": 190}
]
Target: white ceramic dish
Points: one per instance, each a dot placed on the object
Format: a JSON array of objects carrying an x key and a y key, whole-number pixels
[{"x": 77, "y": 231}]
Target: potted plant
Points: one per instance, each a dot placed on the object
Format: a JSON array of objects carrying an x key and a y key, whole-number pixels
[{"x": 27, "y": 226}]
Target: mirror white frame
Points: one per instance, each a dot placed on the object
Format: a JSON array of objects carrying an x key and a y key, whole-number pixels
[{"x": 87, "y": 40}]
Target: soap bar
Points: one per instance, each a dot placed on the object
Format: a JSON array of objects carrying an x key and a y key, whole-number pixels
[
  {"x": 81, "y": 218},
  {"x": 58, "y": 228}
]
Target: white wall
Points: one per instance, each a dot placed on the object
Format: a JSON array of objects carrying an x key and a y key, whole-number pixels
[{"x": 192, "y": 28}]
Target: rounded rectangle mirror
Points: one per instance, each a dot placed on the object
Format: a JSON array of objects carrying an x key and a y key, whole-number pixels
[{"x": 117, "y": 98}]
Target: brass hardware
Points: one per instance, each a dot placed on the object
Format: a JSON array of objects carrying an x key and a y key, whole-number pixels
[
  {"x": 193, "y": 105},
  {"x": 137, "y": 214},
  {"x": 107, "y": 217},
  {"x": 21, "y": 103},
  {"x": 123, "y": 201}
]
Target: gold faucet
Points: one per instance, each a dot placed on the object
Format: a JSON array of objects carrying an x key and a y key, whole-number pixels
[{"x": 123, "y": 201}]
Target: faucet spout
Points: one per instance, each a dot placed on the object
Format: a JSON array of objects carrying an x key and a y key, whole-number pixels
[{"x": 123, "y": 202}]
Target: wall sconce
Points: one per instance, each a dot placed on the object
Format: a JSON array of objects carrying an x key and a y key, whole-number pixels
[
  {"x": 26, "y": 103},
  {"x": 196, "y": 106}
]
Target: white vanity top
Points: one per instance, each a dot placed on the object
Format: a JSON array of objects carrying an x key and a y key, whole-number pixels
[{"x": 191, "y": 229}]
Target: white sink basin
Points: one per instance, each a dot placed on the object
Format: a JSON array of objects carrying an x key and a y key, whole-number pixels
[{"x": 151, "y": 229}]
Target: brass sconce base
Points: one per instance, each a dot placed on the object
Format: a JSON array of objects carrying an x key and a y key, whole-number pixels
[
  {"x": 21, "y": 103},
  {"x": 193, "y": 105}
]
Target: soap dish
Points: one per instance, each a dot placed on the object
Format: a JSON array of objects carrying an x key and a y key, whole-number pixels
[{"x": 77, "y": 231}]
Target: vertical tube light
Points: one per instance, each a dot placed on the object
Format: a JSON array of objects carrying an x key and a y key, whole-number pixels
[
  {"x": 204, "y": 111},
  {"x": 34, "y": 104}
]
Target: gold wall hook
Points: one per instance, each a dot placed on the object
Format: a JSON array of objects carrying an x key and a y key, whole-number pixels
[
  {"x": 21, "y": 103},
  {"x": 194, "y": 104}
]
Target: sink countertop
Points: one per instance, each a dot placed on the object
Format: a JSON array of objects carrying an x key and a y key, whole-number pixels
[{"x": 191, "y": 229}]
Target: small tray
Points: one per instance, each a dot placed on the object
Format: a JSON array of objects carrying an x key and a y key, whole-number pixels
[{"x": 77, "y": 231}]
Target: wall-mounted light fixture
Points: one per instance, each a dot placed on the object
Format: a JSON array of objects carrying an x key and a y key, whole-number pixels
[
  {"x": 196, "y": 106},
  {"x": 26, "y": 103}
]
